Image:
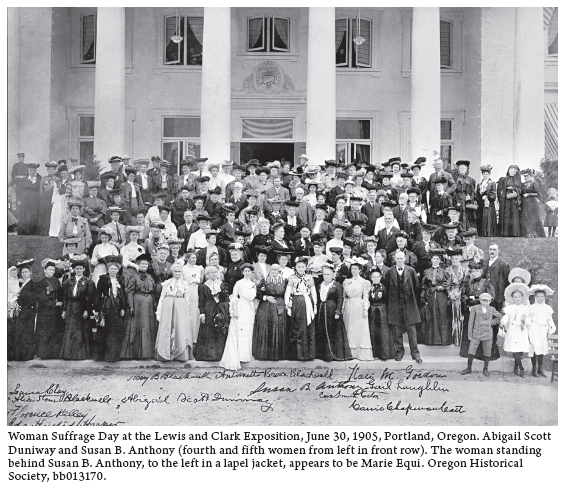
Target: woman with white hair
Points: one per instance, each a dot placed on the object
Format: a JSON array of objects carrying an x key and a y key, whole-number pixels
[
  {"x": 174, "y": 336},
  {"x": 242, "y": 311},
  {"x": 213, "y": 303},
  {"x": 264, "y": 238},
  {"x": 194, "y": 275}
]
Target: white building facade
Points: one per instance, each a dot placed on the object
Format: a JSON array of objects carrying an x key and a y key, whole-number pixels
[{"x": 470, "y": 83}]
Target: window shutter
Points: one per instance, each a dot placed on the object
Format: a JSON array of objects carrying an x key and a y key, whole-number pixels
[
  {"x": 280, "y": 34},
  {"x": 172, "y": 50},
  {"x": 445, "y": 43},
  {"x": 88, "y": 38},
  {"x": 341, "y": 44},
  {"x": 255, "y": 33},
  {"x": 363, "y": 51}
]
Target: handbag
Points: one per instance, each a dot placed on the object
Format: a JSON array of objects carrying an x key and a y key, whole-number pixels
[
  {"x": 511, "y": 195},
  {"x": 472, "y": 205}
]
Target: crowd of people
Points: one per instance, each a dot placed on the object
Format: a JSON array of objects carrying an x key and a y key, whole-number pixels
[{"x": 231, "y": 263}]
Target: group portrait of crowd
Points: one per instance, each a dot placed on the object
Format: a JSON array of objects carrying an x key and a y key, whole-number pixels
[{"x": 269, "y": 261}]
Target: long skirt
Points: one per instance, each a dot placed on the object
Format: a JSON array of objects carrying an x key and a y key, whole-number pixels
[
  {"x": 381, "y": 334},
  {"x": 538, "y": 333},
  {"x": 487, "y": 219},
  {"x": 109, "y": 339},
  {"x": 464, "y": 350},
  {"x": 174, "y": 337},
  {"x": 331, "y": 335},
  {"x": 509, "y": 221},
  {"x": 211, "y": 338},
  {"x": 77, "y": 339},
  {"x": 193, "y": 312},
  {"x": 45, "y": 214},
  {"x": 21, "y": 335},
  {"x": 516, "y": 339},
  {"x": 439, "y": 327},
  {"x": 531, "y": 221},
  {"x": 141, "y": 329},
  {"x": 49, "y": 333},
  {"x": 357, "y": 326},
  {"x": 302, "y": 333},
  {"x": 58, "y": 212},
  {"x": 269, "y": 332}
]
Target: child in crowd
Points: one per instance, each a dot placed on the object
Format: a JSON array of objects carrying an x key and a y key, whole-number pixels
[
  {"x": 541, "y": 326},
  {"x": 551, "y": 213}
]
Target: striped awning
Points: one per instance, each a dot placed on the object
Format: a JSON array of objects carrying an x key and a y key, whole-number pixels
[
  {"x": 267, "y": 129},
  {"x": 551, "y": 131}
]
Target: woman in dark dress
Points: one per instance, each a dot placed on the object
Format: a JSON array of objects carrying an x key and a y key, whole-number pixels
[
  {"x": 331, "y": 336},
  {"x": 486, "y": 199},
  {"x": 435, "y": 283},
  {"x": 300, "y": 300},
  {"x": 270, "y": 332},
  {"x": 29, "y": 193},
  {"x": 465, "y": 194},
  {"x": 381, "y": 335},
  {"x": 531, "y": 195},
  {"x": 79, "y": 294},
  {"x": 213, "y": 303},
  {"x": 22, "y": 336},
  {"x": 111, "y": 306},
  {"x": 474, "y": 287},
  {"x": 279, "y": 242},
  {"x": 509, "y": 190},
  {"x": 264, "y": 238},
  {"x": 49, "y": 328},
  {"x": 141, "y": 323}
]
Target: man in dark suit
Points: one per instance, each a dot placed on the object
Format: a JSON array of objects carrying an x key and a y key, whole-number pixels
[
  {"x": 186, "y": 230},
  {"x": 386, "y": 238},
  {"x": 437, "y": 175},
  {"x": 400, "y": 212},
  {"x": 145, "y": 182},
  {"x": 277, "y": 191},
  {"x": 373, "y": 210},
  {"x": 403, "y": 288},
  {"x": 180, "y": 205},
  {"x": 338, "y": 189},
  {"x": 497, "y": 270},
  {"x": 401, "y": 244}
]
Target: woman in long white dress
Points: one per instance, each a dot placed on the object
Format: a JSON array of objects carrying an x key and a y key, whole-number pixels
[
  {"x": 516, "y": 322},
  {"x": 174, "y": 338},
  {"x": 193, "y": 274},
  {"x": 100, "y": 251},
  {"x": 242, "y": 310},
  {"x": 542, "y": 325},
  {"x": 356, "y": 313},
  {"x": 61, "y": 193}
]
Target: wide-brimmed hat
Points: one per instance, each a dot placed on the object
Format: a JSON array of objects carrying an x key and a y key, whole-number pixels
[
  {"x": 71, "y": 239},
  {"x": 93, "y": 184},
  {"x": 262, "y": 249},
  {"x": 467, "y": 163},
  {"x": 202, "y": 217},
  {"x": 112, "y": 259},
  {"x": 116, "y": 209},
  {"x": 540, "y": 287},
  {"x": 79, "y": 260},
  {"x": 130, "y": 169},
  {"x": 25, "y": 263},
  {"x": 473, "y": 264},
  {"x": 230, "y": 208},
  {"x": 136, "y": 229},
  {"x": 277, "y": 225},
  {"x": 469, "y": 233},
  {"x": 106, "y": 175},
  {"x": 144, "y": 256},
  {"x": 164, "y": 208},
  {"x": 74, "y": 202},
  {"x": 519, "y": 272},
  {"x": 159, "y": 195},
  {"x": 311, "y": 169},
  {"x": 238, "y": 247},
  {"x": 105, "y": 230},
  {"x": 51, "y": 164},
  {"x": 79, "y": 168},
  {"x": 454, "y": 251},
  {"x": 428, "y": 227},
  {"x": 175, "y": 241},
  {"x": 437, "y": 251},
  {"x": 276, "y": 200},
  {"x": 512, "y": 288},
  {"x": 451, "y": 226},
  {"x": 303, "y": 156},
  {"x": 486, "y": 168},
  {"x": 115, "y": 159}
]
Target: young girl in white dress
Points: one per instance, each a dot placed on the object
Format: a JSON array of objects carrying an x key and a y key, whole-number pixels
[
  {"x": 516, "y": 322},
  {"x": 542, "y": 325},
  {"x": 242, "y": 310}
]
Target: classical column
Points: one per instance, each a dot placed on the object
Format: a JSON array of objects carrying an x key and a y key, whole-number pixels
[
  {"x": 215, "y": 108},
  {"x": 529, "y": 58},
  {"x": 35, "y": 84},
  {"x": 13, "y": 83},
  {"x": 497, "y": 75},
  {"x": 426, "y": 85},
  {"x": 321, "y": 91},
  {"x": 110, "y": 84}
]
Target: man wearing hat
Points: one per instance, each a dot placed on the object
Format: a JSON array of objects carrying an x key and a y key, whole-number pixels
[
  {"x": 28, "y": 193},
  {"x": 465, "y": 194},
  {"x": 164, "y": 183},
  {"x": 302, "y": 162},
  {"x": 118, "y": 230},
  {"x": 116, "y": 165},
  {"x": 296, "y": 176},
  {"x": 238, "y": 173},
  {"x": 482, "y": 318},
  {"x": 19, "y": 170}
]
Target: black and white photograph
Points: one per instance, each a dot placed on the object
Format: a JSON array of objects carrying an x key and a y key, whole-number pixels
[{"x": 282, "y": 216}]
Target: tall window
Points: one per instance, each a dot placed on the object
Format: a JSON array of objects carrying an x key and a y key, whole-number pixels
[
  {"x": 268, "y": 34},
  {"x": 189, "y": 50},
  {"x": 86, "y": 138},
  {"x": 447, "y": 143},
  {"x": 353, "y": 140},
  {"x": 88, "y": 38},
  {"x": 348, "y": 53},
  {"x": 445, "y": 30},
  {"x": 180, "y": 138}
]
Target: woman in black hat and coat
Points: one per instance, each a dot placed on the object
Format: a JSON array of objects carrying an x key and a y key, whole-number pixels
[
  {"x": 465, "y": 194},
  {"x": 79, "y": 294},
  {"x": 531, "y": 196},
  {"x": 49, "y": 328},
  {"x": 486, "y": 199},
  {"x": 509, "y": 191},
  {"x": 110, "y": 308}
]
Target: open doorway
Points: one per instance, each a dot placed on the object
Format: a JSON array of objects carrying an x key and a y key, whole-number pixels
[{"x": 266, "y": 152}]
